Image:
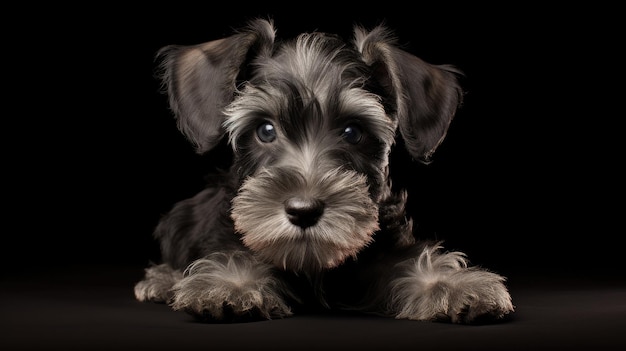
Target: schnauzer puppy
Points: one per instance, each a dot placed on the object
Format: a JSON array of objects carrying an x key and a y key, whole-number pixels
[{"x": 306, "y": 214}]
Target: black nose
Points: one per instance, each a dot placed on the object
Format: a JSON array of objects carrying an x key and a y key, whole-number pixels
[{"x": 303, "y": 212}]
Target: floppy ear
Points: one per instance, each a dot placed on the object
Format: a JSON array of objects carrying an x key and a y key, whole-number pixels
[
  {"x": 425, "y": 97},
  {"x": 201, "y": 79}
]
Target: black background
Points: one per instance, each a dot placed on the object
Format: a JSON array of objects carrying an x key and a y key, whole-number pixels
[{"x": 527, "y": 182}]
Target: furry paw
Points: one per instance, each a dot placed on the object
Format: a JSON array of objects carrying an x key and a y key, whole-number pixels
[
  {"x": 230, "y": 287},
  {"x": 472, "y": 296},
  {"x": 157, "y": 284},
  {"x": 441, "y": 287}
]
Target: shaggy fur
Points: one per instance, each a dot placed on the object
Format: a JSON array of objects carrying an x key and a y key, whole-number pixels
[{"x": 306, "y": 214}]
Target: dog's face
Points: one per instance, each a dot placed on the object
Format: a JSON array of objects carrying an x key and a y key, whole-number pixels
[
  {"x": 311, "y": 123},
  {"x": 312, "y": 142}
]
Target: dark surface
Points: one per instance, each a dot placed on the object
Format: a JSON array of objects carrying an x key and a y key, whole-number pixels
[
  {"x": 529, "y": 181},
  {"x": 95, "y": 310}
]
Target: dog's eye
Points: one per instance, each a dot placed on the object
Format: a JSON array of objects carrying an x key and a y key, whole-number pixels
[
  {"x": 266, "y": 132},
  {"x": 352, "y": 134}
]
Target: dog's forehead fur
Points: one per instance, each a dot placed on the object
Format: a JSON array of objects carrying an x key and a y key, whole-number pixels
[
  {"x": 324, "y": 62},
  {"x": 316, "y": 80}
]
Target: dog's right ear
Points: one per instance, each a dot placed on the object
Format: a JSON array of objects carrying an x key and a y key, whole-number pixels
[
  {"x": 424, "y": 97},
  {"x": 201, "y": 79}
]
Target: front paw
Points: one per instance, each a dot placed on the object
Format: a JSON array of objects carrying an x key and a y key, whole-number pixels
[
  {"x": 440, "y": 286},
  {"x": 157, "y": 284},
  {"x": 465, "y": 296},
  {"x": 476, "y": 296},
  {"x": 230, "y": 287}
]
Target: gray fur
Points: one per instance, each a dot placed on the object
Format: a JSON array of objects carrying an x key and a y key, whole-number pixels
[{"x": 306, "y": 213}]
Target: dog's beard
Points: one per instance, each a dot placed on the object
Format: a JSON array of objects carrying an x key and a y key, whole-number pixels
[{"x": 347, "y": 225}]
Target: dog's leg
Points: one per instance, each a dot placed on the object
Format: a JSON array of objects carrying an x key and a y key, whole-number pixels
[
  {"x": 440, "y": 286},
  {"x": 230, "y": 285},
  {"x": 157, "y": 284}
]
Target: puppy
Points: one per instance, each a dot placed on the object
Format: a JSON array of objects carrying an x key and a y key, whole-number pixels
[{"x": 306, "y": 215}]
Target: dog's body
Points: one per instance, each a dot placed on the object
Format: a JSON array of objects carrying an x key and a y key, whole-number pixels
[{"x": 306, "y": 213}]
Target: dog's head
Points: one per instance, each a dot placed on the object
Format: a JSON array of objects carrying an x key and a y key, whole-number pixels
[{"x": 311, "y": 122}]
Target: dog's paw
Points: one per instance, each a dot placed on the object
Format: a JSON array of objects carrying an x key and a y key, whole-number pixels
[
  {"x": 439, "y": 287},
  {"x": 465, "y": 296},
  {"x": 476, "y": 296},
  {"x": 230, "y": 287},
  {"x": 157, "y": 284}
]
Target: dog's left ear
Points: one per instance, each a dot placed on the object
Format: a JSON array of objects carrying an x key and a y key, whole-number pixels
[
  {"x": 425, "y": 96},
  {"x": 201, "y": 79}
]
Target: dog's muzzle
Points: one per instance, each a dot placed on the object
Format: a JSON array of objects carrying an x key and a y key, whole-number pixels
[{"x": 305, "y": 223}]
